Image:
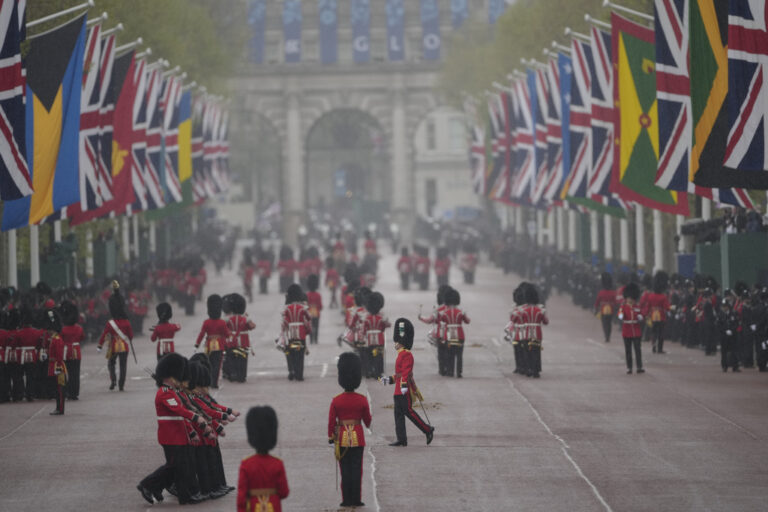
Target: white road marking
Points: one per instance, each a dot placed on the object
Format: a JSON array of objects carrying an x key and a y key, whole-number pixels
[
  {"x": 496, "y": 342},
  {"x": 373, "y": 461},
  {"x": 324, "y": 371},
  {"x": 564, "y": 447},
  {"x": 9, "y": 434}
]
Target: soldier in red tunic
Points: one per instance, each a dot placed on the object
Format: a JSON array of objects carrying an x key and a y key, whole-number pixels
[
  {"x": 631, "y": 326},
  {"x": 239, "y": 324},
  {"x": 372, "y": 334},
  {"x": 28, "y": 342},
  {"x": 348, "y": 413},
  {"x": 73, "y": 335},
  {"x": 216, "y": 334},
  {"x": 435, "y": 335},
  {"x": 164, "y": 332},
  {"x": 513, "y": 332},
  {"x": 57, "y": 370},
  {"x": 655, "y": 309},
  {"x": 533, "y": 316},
  {"x": 405, "y": 268},
  {"x": 264, "y": 266},
  {"x": 331, "y": 281},
  {"x": 442, "y": 266},
  {"x": 405, "y": 385},
  {"x": 315, "y": 303},
  {"x": 605, "y": 304},
  {"x": 246, "y": 272},
  {"x": 452, "y": 319},
  {"x": 469, "y": 262},
  {"x": 262, "y": 483},
  {"x": 296, "y": 325},
  {"x": 117, "y": 334},
  {"x": 421, "y": 266}
]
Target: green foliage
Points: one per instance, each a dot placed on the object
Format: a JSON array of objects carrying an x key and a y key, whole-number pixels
[{"x": 207, "y": 38}]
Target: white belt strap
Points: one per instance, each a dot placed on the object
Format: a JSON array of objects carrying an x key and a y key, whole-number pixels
[{"x": 170, "y": 418}]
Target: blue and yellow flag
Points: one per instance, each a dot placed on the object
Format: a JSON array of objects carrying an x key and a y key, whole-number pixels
[{"x": 54, "y": 80}]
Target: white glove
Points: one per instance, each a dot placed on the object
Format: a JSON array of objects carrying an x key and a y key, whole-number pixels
[
  {"x": 43, "y": 357},
  {"x": 729, "y": 332},
  {"x": 753, "y": 327},
  {"x": 98, "y": 349},
  {"x": 386, "y": 380},
  {"x": 640, "y": 317}
]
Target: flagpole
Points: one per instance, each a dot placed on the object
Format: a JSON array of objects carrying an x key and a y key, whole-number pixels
[
  {"x": 117, "y": 28},
  {"x": 145, "y": 53},
  {"x": 561, "y": 47},
  {"x": 129, "y": 46},
  {"x": 598, "y": 23},
  {"x": 608, "y": 3},
  {"x": 189, "y": 86},
  {"x": 578, "y": 35},
  {"x": 44, "y": 19},
  {"x": 103, "y": 17}
]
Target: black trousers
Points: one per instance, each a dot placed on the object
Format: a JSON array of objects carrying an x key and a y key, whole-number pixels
[
  {"x": 762, "y": 354},
  {"x": 423, "y": 281},
  {"x": 657, "y": 336},
  {"x": 708, "y": 337},
  {"x": 263, "y": 285},
  {"x": 351, "y": 467},
  {"x": 15, "y": 380},
  {"x": 203, "y": 469},
  {"x": 73, "y": 374},
  {"x": 123, "y": 358},
  {"x": 442, "y": 358},
  {"x": 525, "y": 368},
  {"x": 607, "y": 321},
  {"x": 729, "y": 356},
  {"x": 285, "y": 282},
  {"x": 469, "y": 277},
  {"x": 60, "y": 393},
  {"x": 405, "y": 281},
  {"x": 315, "y": 329},
  {"x": 189, "y": 304},
  {"x": 5, "y": 383},
  {"x": 404, "y": 409},
  {"x": 29, "y": 370},
  {"x": 455, "y": 358},
  {"x": 178, "y": 470},
  {"x": 215, "y": 359},
  {"x": 518, "y": 358},
  {"x": 240, "y": 365},
  {"x": 533, "y": 359},
  {"x": 215, "y": 462},
  {"x": 747, "y": 342},
  {"x": 629, "y": 344},
  {"x": 45, "y": 388},
  {"x": 295, "y": 360},
  {"x": 442, "y": 280}
]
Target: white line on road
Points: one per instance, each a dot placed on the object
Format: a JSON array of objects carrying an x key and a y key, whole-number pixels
[
  {"x": 496, "y": 342},
  {"x": 324, "y": 371},
  {"x": 373, "y": 461},
  {"x": 9, "y": 434},
  {"x": 564, "y": 447}
]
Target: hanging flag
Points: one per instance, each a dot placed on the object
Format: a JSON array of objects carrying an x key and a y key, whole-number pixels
[
  {"x": 395, "y": 30},
  {"x": 138, "y": 142},
  {"x": 495, "y": 9},
  {"x": 501, "y": 110},
  {"x": 459, "y": 12},
  {"x": 360, "y": 18},
  {"x": 185, "y": 146},
  {"x": 636, "y": 120},
  {"x": 602, "y": 114},
  {"x": 580, "y": 121},
  {"x": 106, "y": 114},
  {"x": 565, "y": 67},
  {"x": 430, "y": 29},
  {"x": 539, "y": 105},
  {"x": 495, "y": 163},
  {"x": 170, "y": 105},
  {"x": 292, "y": 30},
  {"x": 327, "y": 27},
  {"x": 54, "y": 81},
  {"x": 257, "y": 11},
  {"x": 199, "y": 192},
  {"x": 525, "y": 158},
  {"x": 154, "y": 162},
  {"x": 554, "y": 124},
  {"x": 15, "y": 179}
]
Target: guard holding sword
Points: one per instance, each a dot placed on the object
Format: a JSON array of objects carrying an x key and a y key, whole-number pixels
[
  {"x": 239, "y": 324},
  {"x": 118, "y": 335}
]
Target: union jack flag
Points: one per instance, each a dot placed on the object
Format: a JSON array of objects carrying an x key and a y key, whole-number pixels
[
  {"x": 554, "y": 131},
  {"x": 153, "y": 164},
  {"x": 15, "y": 180},
  {"x": 138, "y": 138},
  {"x": 747, "y": 85},
  {"x": 199, "y": 192},
  {"x": 539, "y": 92},
  {"x": 602, "y": 114},
  {"x": 498, "y": 110},
  {"x": 476, "y": 147},
  {"x": 170, "y": 105},
  {"x": 220, "y": 150},
  {"x": 524, "y": 149},
  {"x": 580, "y": 129}
]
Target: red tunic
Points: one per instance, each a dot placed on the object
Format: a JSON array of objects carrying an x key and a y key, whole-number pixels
[
  {"x": 286, "y": 268},
  {"x": 239, "y": 325},
  {"x": 373, "y": 330},
  {"x": 437, "y": 331},
  {"x": 468, "y": 261},
  {"x": 404, "y": 265},
  {"x": 163, "y": 334},
  {"x": 349, "y": 406},
  {"x": 514, "y": 327},
  {"x": 442, "y": 266},
  {"x": 315, "y": 302},
  {"x": 656, "y": 307},
  {"x": 265, "y": 268},
  {"x": 172, "y": 418},
  {"x": 403, "y": 371},
  {"x": 331, "y": 278},
  {"x": 370, "y": 246},
  {"x": 216, "y": 335},
  {"x": 422, "y": 264},
  {"x": 532, "y": 317},
  {"x": 261, "y": 473},
  {"x": 7, "y": 350},
  {"x": 72, "y": 335},
  {"x": 56, "y": 356},
  {"x": 296, "y": 323},
  {"x": 452, "y": 320},
  {"x": 605, "y": 303},
  {"x": 117, "y": 342},
  {"x": 28, "y": 341},
  {"x": 631, "y": 326}
]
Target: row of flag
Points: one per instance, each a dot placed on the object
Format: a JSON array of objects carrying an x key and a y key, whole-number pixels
[
  {"x": 634, "y": 115},
  {"x": 88, "y": 133}
]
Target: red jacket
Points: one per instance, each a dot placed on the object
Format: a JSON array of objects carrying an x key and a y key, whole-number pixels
[
  {"x": 286, "y": 268},
  {"x": 331, "y": 278},
  {"x": 315, "y": 302},
  {"x": 349, "y": 406},
  {"x": 296, "y": 322},
  {"x": 452, "y": 319},
  {"x": 261, "y": 472},
  {"x": 163, "y": 334},
  {"x": 265, "y": 268},
  {"x": 28, "y": 341},
  {"x": 605, "y": 303},
  {"x": 404, "y": 265},
  {"x": 172, "y": 418},
  {"x": 315, "y": 266},
  {"x": 370, "y": 246},
  {"x": 442, "y": 267},
  {"x": 117, "y": 342},
  {"x": 403, "y": 372},
  {"x": 436, "y": 332},
  {"x": 72, "y": 335},
  {"x": 515, "y": 328},
  {"x": 216, "y": 335},
  {"x": 56, "y": 356},
  {"x": 7, "y": 344},
  {"x": 239, "y": 325},
  {"x": 656, "y": 307},
  {"x": 468, "y": 261},
  {"x": 532, "y": 317},
  {"x": 373, "y": 330},
  {"x": 632, "y": 320},
  {"x": 422, "y": 264}
]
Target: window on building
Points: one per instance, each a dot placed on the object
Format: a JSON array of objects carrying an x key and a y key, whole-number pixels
[
  {"x": 431, "y": 196},
  {"x": 458, "y": 135},
  {"x": 431, "y": 135}
]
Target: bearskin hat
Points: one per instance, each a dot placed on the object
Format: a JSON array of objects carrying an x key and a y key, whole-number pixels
[
  {"x": 52, "y": 320},
  {"x": 647, "y": 281},
  {"x": 69, "y": 313},
  {"x": 452, "y": 297},
  {"x": 214, "y": 306},
  {"x": 261, "y": 425},
  {"x": 286, "y": 253},
  {"x": 403, "y": 332},
  {"x": 350, "y": 371},
  {"x": 632, "y": 291},
  {"x": 237, "y": 303},
  {"x": 313, "y": 282},
  {"x": 170, "y": 366},
  {"x": 43, "y": 289},
  {"x": 351, "y": 274},
  {"x": 441, "y": 293},
  {"x": 361, "y": 296},
  {"x": 531, "y": 294},
  {"x": 117, "y": 303},
  {"x": 164, "y": 312},
  {"x": 294, "y": 293},
  {"x": 404, "y": 251},
  {"x": 203, "y": 375},
  {"x": 374, "y": 303},
  {"x": 518, "y": 296},
  {"x": 606, "y": 280},
  {"x": 12, "y": 320},
  {"x": 660, "y": 282},
  {"x": 442, "y": 253},
  {"x": 193, "y": 375},
  {"x": 226, "y": 304},
  {"x": 201, "y": 358}
]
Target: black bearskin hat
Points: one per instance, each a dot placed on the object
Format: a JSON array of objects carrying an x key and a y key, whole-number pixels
[
  {"x": 117, "y": 303},
  {"x": 442, "y": 253},
  {"x": 193, "y": 375},
  {"x": 403, "y": 333},
  {"x": 313, "y": 282},
  {"x": 43, "y": 289},
  {"x": 69, "y": 313},
  {"x": 441, "y": 293},
  {"x": 203, "y": 375},
  {"x": 361, "y": 296},
  {"x": 350, "y": 371},
  {"x": 214, "y": 306},
  {"x": 660, "y": 282},
  {"x": 170, "y": 366},
  {"x": 13, "y": 320},
  {"x": 606, "y": 280},
  {"x": 201, "y": 358},
  {"x": 52, "y": 320},
  {"x": 294, "y": 293},
  {"x": 632, "y": 291},
  {"x": 374, "y": 303},
  {"x": 519, "y": 295},
  {"x": 226, "y": 304},
  {"x": 351, "y": 274},
  {"x": 164, "y": 312},
  {"x": 261, "y": 425},
  {"x": 531, "y": 294},
  {"x": 286, "y": 252},
  {"x": 452, "y": 297},
  {"x": 237, "y": 303},
  {"x": 404, "y": 251},
  {"x": 647, "y": 281}
]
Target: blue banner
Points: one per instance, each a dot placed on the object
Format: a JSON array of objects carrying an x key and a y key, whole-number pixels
[
  {"x": 360, "y": 17},
  {"x": 395, "y": 30},
  {"x": 292, "y": 30},
  {"x": 256, "y": 20},
  {"x": 430, "y": 29},
  {"x": 327, "y": 19},
  {"x": 459, "y": 12},
  {"x": 495, "y": 9}
]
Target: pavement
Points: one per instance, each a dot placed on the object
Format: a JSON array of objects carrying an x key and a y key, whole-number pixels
[{"x": 584, "y": 437}]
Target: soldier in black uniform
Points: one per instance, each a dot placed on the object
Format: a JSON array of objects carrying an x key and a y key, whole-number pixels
[{"x": 727, "y": 322}]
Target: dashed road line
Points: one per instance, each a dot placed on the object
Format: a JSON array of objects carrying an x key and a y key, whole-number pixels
[{"x": 9, "y": 434}]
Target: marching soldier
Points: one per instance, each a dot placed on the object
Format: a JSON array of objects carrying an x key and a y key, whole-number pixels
[
  {"x": 239, "y": 324},
  {"x": 296, "y": 325},
  {"x": 372, "y": 332},
  {"x": 605, "y": 304},
  {"x": 533, "y": 316},
  {"x": 348, "y": 413},
  {"x": 405, "y": 385},
  {"x": 442, "y": 266},
  {"x": 164, "y": 332},
  {"x": 315, "y": 303},
  {"x": 727, "y": 322},
  {"x": 421, "y": 267},
  {"x": 469, "y": 263},
  {"x": 631, "y": 326},
  {"x": 331, "y": 281},
  {"x": 216, "y": 334},
  {"x": 514, "y": 329},
  {"x": 656, "y": 309},
  {"x": 435, "y": 335},
  {"x": 405, "y": 268},
  {"x": 286, "y": 268},
  {"x": 57, "y": 371},
  {"x": 73, "y": 335},
  {"x": 452, "y": 319},
  {"x": 117, "y": 334},
  {"x": 264, "y": 265}
]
